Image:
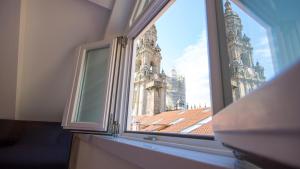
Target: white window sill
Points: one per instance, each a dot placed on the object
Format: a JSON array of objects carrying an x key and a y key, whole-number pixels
[{"x": 149, "y": 155}]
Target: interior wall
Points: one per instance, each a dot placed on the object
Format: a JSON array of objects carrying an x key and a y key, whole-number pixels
[
  {"x": 9, "y": 33},
  {"x": 91, "y": 152},
  {"x": 51, "y": 31},
  {"x": 88, "y": 156}
]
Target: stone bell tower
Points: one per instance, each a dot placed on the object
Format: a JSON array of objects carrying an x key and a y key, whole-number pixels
[
  {"x": 149, "y": 81},
  {"x": 245, "y": 75}
]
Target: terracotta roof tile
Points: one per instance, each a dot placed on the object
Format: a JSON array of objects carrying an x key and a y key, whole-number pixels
[
  {"x": 161, "y": 122},
  {"x": 205, "y": 129}
]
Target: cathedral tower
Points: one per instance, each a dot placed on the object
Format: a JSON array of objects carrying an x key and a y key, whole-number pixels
[
  {"x": 245, "y": 76},
  {"x": 149, "y": 80}
]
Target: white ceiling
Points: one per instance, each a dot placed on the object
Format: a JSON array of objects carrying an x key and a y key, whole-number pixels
[{"x": 108, "y": 4}]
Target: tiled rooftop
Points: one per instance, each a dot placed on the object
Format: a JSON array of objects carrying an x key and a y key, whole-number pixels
[{"x": 177, "y": 121}]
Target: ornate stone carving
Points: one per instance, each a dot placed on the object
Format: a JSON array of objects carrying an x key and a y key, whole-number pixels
[{"x": 245, "y": 76}]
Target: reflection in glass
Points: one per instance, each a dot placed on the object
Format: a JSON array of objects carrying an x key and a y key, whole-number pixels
[
  {"x": 281, "y": 19},
  {"x": 246, "y": 70},
  {"x": 93, "y": 89},
  {"x": 263, "y": 39}
]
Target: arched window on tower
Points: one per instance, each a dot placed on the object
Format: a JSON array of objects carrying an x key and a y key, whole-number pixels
[
  {"x": 152, "y": 66},
  {"x": 152, "y": 42}
]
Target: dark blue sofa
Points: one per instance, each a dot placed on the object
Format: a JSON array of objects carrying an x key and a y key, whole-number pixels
[{"x": 34, "y": 145}]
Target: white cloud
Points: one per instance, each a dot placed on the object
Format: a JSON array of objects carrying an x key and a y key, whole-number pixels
[
  {"x": 193, "y": 64},
  {"x": 262, "y": 54},
  {"x": 262, "y": 49},
  {"x": 263, "y": 41}
]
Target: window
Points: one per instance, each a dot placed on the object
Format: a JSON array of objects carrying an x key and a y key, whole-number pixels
[
  {"x": 170, "y": 79},
  {"x": 94, "y": 87},
  {"x": 259, "y": 44},
  {"x": 249, "y": 52},
  {"x": 162, "y": 79},
  {"x": 139, "y": 8},
  {"x": 256, "y": 44},
  {"x": 90, "y": 106}
]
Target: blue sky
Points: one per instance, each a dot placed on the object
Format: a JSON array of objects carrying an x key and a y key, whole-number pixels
[
  {"x": 182, "y": 36},
  {"x": 180, "y": 26}
]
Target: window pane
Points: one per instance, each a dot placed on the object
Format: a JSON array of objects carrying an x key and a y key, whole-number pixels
[
  {"x": 263, "y": 39},
  {"x": 170, "y": 90},
  {"x": 94, "y": 86}
]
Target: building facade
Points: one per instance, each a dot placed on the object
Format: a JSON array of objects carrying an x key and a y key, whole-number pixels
[
  {"x": 154, "y": 91},
  {"x": 149, "y": 82},
  {"x": 245, "y": 75},
  {"x": 175, "y": 98}
]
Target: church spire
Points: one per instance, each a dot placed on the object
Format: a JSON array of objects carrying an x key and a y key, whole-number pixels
[
  {"x": 150, "y": 37},
  {"x": 228, "y": 7}
]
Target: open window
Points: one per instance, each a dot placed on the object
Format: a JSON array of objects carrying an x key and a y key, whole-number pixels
[
  {"x": 258, "y": 56},
  {"x": 95, "y": 101},
  {"x": 125, "y": 84},
  {"x": 168, "y": 84},
  {"x": 90, "y": 106}
]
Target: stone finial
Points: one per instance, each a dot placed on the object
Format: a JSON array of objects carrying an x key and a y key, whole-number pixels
[{"x": 228, "y": 6}]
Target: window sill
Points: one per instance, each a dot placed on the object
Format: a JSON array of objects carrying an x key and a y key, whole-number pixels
[{"x": 149, "y": 155}]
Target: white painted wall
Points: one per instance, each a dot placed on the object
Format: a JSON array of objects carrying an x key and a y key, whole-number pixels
[
  {"x": 52, "y": 30},
  {"x": 9, "y": 35},
  {"x": 37, "y": 45},
  {"x": 88, "y": 156},
  {"x": 91, "y": 152}
]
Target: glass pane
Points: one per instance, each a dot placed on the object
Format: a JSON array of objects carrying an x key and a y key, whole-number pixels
[
  {"x": 170, "y": 86},
  {"x": 94, "y": 86},
  {"x": 263, "y": 39}
]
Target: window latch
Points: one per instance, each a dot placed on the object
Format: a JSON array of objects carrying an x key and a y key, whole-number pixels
[
  {"x": 115, "y": 128},
  {"x": 123, "y": 41},
  {"x": 151, "y": 138}
]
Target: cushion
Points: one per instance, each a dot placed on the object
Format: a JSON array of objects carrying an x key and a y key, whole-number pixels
[
  {"x": 9, "y": 133},
  {"x": 34, "y": 157},
  {"x": 39, "y": 134}
]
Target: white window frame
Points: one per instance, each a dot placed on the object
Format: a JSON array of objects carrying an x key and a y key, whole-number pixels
[
  {"x": 70, "y": 113},
  {"x": 270, "y": 133},
  {"x": 229, "y": 131},
  {"x": 199, "y": 143},
  {"x": 121, "y": 71},
  {"x": 226, "y": 131}
]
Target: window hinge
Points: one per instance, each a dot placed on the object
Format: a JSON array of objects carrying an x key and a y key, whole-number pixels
[
  {"x": 239, "y": 155},
  {"x": 123, "y": 40},
  {"x": 113, "y": 127}
]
